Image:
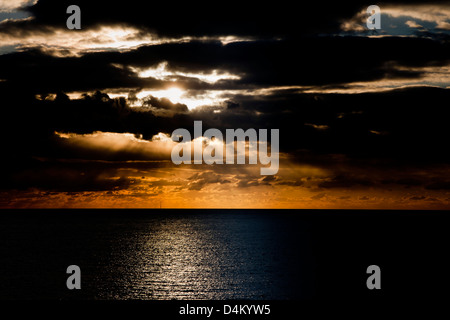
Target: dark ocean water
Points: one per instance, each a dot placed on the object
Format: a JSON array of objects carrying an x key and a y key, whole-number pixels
[
  {"x": 168, "y": 255},
  {"x": 220, "y": 254}
]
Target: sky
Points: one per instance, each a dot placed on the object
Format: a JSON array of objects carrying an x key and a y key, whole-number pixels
[{"x": 87, "y": 115}]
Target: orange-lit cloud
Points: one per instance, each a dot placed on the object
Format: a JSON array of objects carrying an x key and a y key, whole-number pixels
[
  {"x": 110, "y": 143},
  {"x": 238, "y": 186}
]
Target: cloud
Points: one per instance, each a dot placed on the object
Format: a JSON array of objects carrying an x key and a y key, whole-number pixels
[
  {"x": 115, "y": 146},
  {"x": 439, "y": 185},
  {"x": 345, "y": 181},
  {"x": 106, "y": 28},
  {"x": 434, "y": 17},
  {"x": 164, "y": 107},
  {"x": 22, "y": 34},
  {"x": 64, "y": 42},
  {"x": 417, "y": 198},
  {"x": 317, "y": 126},
  {"x": 162, "y": 72},
  {"x": 436, "y": 13},
  {"x": 237, "y": 68},
  {"x": 10, "y": 5},
  {"x": 318, "y": 196},
  {"x": 413, "y": 24},
  {"x": 291, "y": 183},
  {"x": 246, "y": 20},
  {"x": 358, "y": 116},
  {"x": 200, "y": 180},
  {"x": 443, "y": 24},
  {"x": 413, "y": 134},
  {"x": 65, "y": 177},
  {"x": 249, "y": 181}
]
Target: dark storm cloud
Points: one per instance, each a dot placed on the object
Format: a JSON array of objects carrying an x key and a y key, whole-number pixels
[
  {"x": 343, "y": 181},
  {"x": 345, "y": 178},
  {"x": 385, "y": 130},
  {"x": 35, "y": 72},
  {"x": 417, "y": 198},
  {"x": 164, "y": 106},
  {"x": 308, "y": 62},
  {"x": 407, "y": 182},
  {"x": 58, "y": 176},
  {"x": 311, "y": 61},
  {"x": 31, "y": 119},
  {"x": 283, "y": 18},
  {"x": 318, "y": 62},
  {"x": 189, "y": 18},
  {"x": 291, "y": 183},
  {"x": 358, "y": 174},
  {"x": 439, "y": 185},
  {"x": 414, "y": 122}
]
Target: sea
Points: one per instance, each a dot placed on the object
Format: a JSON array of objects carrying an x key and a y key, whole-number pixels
[{"x": 212, "y": 254}]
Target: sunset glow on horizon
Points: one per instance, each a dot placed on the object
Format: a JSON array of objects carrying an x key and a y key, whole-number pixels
[{"x": 89, "y": 113}]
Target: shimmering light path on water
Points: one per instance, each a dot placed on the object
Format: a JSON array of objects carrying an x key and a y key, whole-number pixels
[{"x": 185, "y": 255}]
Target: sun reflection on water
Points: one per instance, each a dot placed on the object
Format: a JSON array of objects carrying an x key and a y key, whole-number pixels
[{"x": 200, "y": 257}]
